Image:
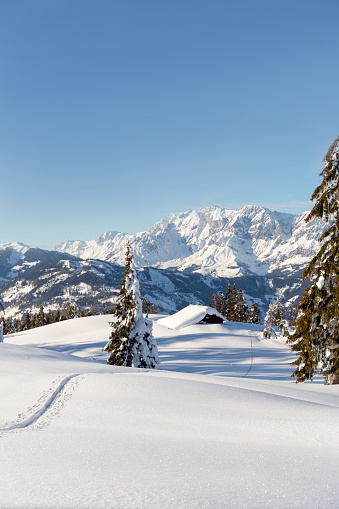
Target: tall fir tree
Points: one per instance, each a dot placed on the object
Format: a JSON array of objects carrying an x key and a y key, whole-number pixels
[
  {"x": 316, "y": 337},
  {"x": 231, "y": 302},
  {"x": 131, "y": 342},
  {"x": 146, "y": 306},
  {"x": 241, "y": 307},
  {"x": 26, "y": 322},
  {"x": 213, "y": 301},
  {"x": 220, "y": 303},
  {"x": 40, "y": 317},
  {"x": 275, "y": 313},
  {"x": 290, "y": 314},
  {"x": 254, "y": 314}
]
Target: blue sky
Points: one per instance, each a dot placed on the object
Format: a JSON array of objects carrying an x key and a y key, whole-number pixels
[{"x": 114, "y": 113}]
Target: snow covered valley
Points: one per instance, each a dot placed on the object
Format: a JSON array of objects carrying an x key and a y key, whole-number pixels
[{"x": 220, "y": 424}]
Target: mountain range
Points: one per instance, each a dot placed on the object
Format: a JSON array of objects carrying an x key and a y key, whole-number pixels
[
  {"x": 214, "y": 241},
  {"x": 182, "y": 259}
]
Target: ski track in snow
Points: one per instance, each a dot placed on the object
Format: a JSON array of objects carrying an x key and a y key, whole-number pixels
[
  {"x": 48, "y": 407},
  {"x": 251, "y": 365}
]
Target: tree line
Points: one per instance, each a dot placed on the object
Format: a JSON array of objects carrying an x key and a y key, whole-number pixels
[
  {"x": 233, "y": 306},
  {"x": 32, "y": 320}
]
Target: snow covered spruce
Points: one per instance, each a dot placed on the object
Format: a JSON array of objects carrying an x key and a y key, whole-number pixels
[
  {"x": 131, "y": 342},
  {"x": 278, "y": 316},
  {"x": 316, "y": 337}
]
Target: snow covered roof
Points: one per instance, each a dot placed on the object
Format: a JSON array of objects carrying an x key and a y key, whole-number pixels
[{"x": 190, "y": 315}]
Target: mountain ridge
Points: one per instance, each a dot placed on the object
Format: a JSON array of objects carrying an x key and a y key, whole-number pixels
[
  {"x": 181, "y": 260},
  {"x": 214, "y": 241}
]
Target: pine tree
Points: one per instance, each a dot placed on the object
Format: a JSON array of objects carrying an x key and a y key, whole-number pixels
[
  {"x": 146, "y": 306},
  {"x": 241, "y": 307},
  {"x": 220, "y": 303},
  {"x": 290, "y": 314},
  {"x": 16, "y": 325},
  {"x": 316, "y": 336},
  {"x": 254, "y": 314},
  {"x": 154, "y": 310},
  {"x": 26, "y": 323},
  {"x": 231, "y": 302},
  {"x": 33, "y": 321},
  {"x": 2, "y": 320},
  {"x": 2, "y": 305},
  {"x": 56, "y": 316},
  {"x": 213, "y": 301},
  {"x": 40, "y": 317},
  {"x": 70, "y": 312},
  {"x": 279, "y": 311},
  {"x": 8, "y": 326},
  {"x": 274, "y": 313},
  {"x": 131, "y": 342}
]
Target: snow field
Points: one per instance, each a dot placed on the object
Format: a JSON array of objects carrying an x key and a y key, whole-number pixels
[{"x": 175, "y": 437}]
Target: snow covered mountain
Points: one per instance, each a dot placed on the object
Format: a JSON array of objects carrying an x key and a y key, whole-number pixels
[
  {"x": 17, "y": 258},
  {"x": 181, "y": 260},
  {"x": 34, "y": 277},
  {"x": 215, "y": 241}
]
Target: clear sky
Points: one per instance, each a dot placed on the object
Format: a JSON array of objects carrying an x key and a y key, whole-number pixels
[{"x": 114, "y": 113}]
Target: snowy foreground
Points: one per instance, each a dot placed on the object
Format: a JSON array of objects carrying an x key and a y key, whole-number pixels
[{"x": 219, "y": 425}]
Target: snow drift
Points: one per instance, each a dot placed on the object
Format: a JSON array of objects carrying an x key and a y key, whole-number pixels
[{"x": 77, "y": 433}]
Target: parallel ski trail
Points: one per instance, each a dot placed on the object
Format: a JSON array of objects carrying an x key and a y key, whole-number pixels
[{"x": 47, "y": 408}]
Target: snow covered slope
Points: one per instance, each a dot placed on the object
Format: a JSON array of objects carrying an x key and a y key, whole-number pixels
[
  {"x": 77, "y": 433},
  {"x": 215, "y": 241}
]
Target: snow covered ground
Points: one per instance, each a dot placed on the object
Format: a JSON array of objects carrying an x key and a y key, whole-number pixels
[{"x": 219, "y": 425}]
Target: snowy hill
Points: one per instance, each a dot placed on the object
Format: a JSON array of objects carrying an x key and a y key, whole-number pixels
[
  {"x": 219, "y": 425},
  {"x": 215, "y": 241}
]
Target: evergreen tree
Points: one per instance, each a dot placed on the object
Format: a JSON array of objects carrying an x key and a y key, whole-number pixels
[
  {"x": 231, "y": 302},
  {"x": 278, "y": 311},
  {"x": 2, "y": 320},
  {"x": 269, "y": 317},
  {"x": 213, "y": 301},
  {"x": 57, "y": 316},
  {"x": 146, "y": 306},
  {"x": 26, "y": 323},
  {"x": 33, "y": 321},
  {"x": 71, "y": 311},
  {"x": 220, "y": 303},
  {"x": 290, "y": 314},
  {"x": 154, "y": 310},
  {"x": 274, "y": 313},
  {"x": 316, "y": 336},
  {"x": 241, "y": 307},
  {"x": 131, "y": 342},
  {"x": 8, "y": 326},
  {"x": 254, "y": 314},
  {"x": 16, "y": 325},
  {"x": 40, "y": 317}
]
